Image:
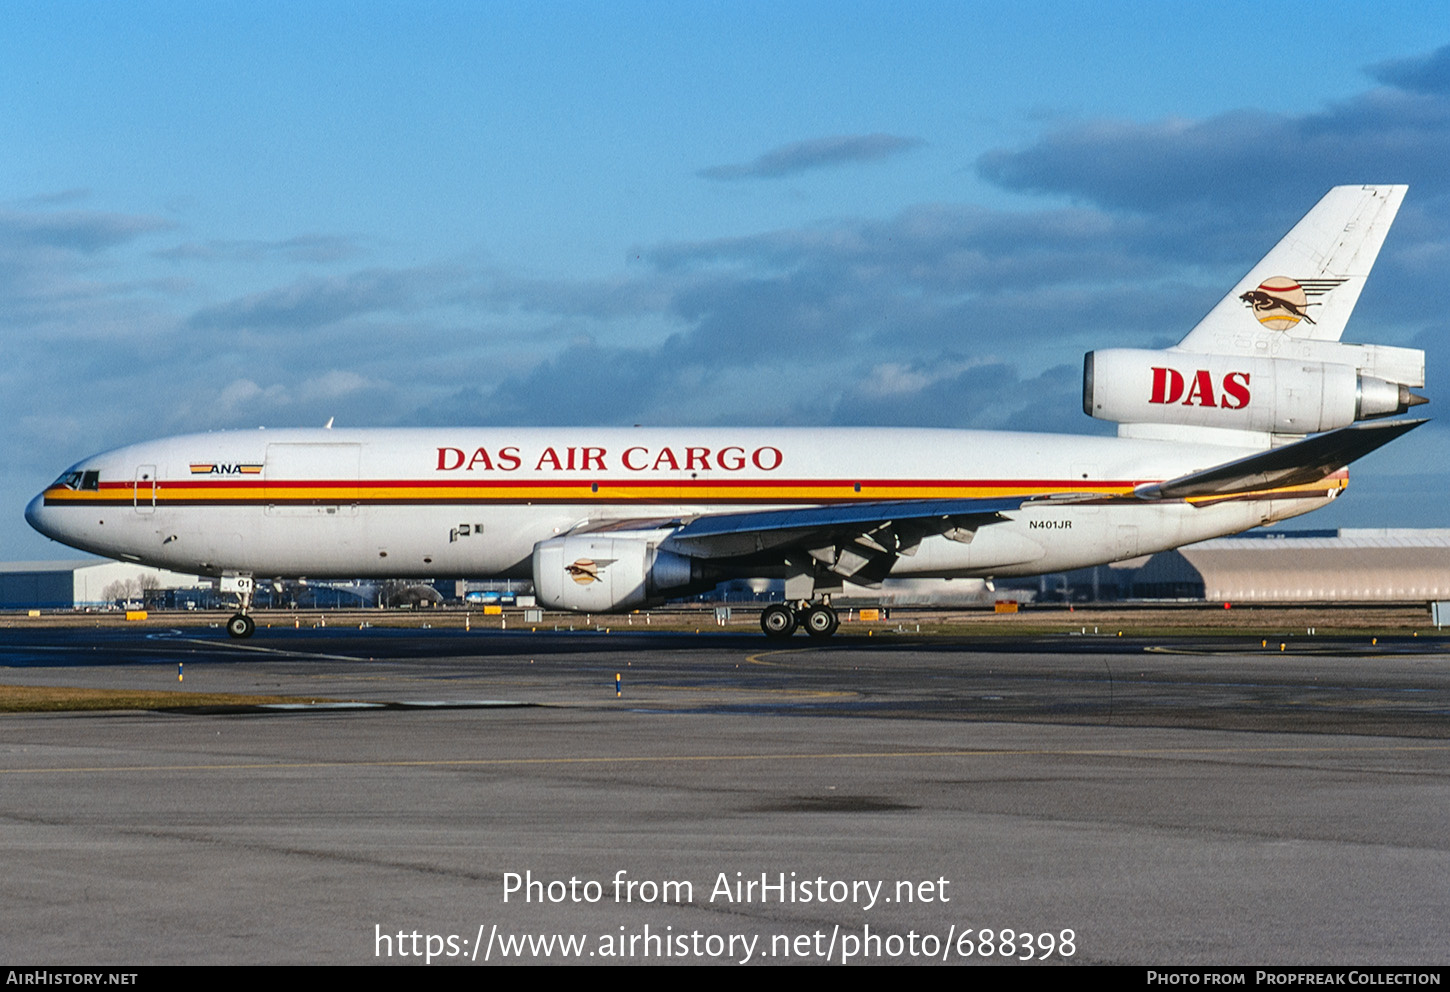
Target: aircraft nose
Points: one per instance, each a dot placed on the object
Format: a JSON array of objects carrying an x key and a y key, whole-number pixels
[{"x": 35, "y": 515}]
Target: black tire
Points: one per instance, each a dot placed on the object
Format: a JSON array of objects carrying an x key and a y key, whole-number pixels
[
  {"x": 241, "y": 626},
  {"x": 820, "y": 621},
  {"x": 778, "y": 622}
]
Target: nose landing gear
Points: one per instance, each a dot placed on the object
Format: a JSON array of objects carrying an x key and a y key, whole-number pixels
[{"x": 240, "y": 626}]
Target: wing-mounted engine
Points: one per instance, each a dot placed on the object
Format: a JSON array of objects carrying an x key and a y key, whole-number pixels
[
  {"x": 610, "y": 572},
  {"x": 1334, "y": 387}
]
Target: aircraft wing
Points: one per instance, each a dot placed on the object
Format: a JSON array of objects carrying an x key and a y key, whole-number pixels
[
  {"x": 1301, "y": 463},
  {"x": 861, "y": 541},
  {"x": 888, "y": 528},
  {"x": 849, "y": 537}
]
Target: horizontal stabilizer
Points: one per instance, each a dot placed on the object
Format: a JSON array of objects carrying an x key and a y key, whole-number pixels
[{"x": 1301, "y": 463}]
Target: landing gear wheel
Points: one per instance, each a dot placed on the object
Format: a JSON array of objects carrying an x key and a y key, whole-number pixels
[
  {"x": 241, "y": 626},
  {"x": 820, "y": 621},
  {"x": 778, "y": 622}
]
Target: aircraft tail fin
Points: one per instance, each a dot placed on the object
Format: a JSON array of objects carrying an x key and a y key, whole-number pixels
[
  {"x": 1307, "y": 286},
  {"x": 1266, "y": 364}
]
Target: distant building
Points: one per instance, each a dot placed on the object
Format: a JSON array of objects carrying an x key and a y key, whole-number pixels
[
  {"x": 94, "y": 583},
  {"x": 1350, "y": 566},
  {"x": 1263, "y": 566},
  {"x": 1270, "y": 566}
]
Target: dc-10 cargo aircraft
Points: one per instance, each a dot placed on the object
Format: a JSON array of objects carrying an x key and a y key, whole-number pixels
[{"x": 1249, "y": 419}]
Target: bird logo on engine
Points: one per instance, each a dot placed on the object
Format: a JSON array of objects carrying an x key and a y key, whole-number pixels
[{"x": 586, "y": 570}]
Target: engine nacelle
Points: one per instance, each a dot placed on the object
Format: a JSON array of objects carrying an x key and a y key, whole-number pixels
[
  {"x": 590, "y": 573},
  {"x": 1271, "y": 395}
]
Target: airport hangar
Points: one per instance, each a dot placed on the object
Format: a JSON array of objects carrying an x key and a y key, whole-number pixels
[
  {"x": 1344, "y": 566},
  {"x": 91, "y": 583},
  {"x": 1325, "y": 566}
]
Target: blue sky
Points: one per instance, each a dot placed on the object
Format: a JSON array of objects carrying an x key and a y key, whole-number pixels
[{"x": 237, "y": 214}]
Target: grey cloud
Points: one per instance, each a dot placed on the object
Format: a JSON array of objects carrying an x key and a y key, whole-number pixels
[
  {"x": 316, "y": 248},
  {"x": 48, "y": 265},
  {"x": 940, "y": 276},
  {"x": 84, "y": 231},
  {"x": 311, "y": 303},
  {"x": 945, "y": 247},
  {"x": 993, "y": 396},
  {"x": 1240, "y": 162},
  {"x": 592, "y": 384},
  {"x": 803, "y": 303},
  {"x": 798, "y": 303},
  {"x": 1224, "y": 188},
  {"x": 1025, "y": 289},
  {"x": 585, "y": 384},
  {"x": 321, "y": 301},
  {"x": 1218, "y": 191},
  {"x": 72, "y": 195},
  {"x": 1421, "y": 74},
  {"x": 1053, "y": 320},
  {"x": 817, "y": 153},
  {"x": 599, "y": 298}
]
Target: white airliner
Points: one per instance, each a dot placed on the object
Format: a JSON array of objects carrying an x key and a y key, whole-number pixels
[{"x": 1249, "y": 419}]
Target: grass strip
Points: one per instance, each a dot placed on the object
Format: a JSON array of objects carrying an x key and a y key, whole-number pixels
[{"x": 58, "y": 699}]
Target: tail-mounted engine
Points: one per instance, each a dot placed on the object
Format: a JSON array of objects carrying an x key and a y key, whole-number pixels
[
  {"x": 1270, "y": 395},
  {"x": 600, "y": 573}
]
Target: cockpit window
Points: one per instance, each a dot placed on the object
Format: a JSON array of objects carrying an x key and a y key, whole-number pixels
[{"x": 82, "y": 481}]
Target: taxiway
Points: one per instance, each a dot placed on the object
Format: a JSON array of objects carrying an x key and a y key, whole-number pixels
[{"x": 1173, "y": 801}]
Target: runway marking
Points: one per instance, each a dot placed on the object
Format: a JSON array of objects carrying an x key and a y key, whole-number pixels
[
  {"x": 754, "y": 659},
  {"x": 706, "y": 758},
  {"x": 1386, "y": 652},
  {"x": 282, "y": 651},
  {"x": 546, "y": 682},
  {"x": 748, "y": 691}
]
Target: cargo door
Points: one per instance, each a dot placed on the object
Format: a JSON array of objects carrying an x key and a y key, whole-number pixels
[{"x": 312, "y": 479}]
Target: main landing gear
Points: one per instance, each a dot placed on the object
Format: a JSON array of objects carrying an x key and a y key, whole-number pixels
[{"x": 779, "y": 620}]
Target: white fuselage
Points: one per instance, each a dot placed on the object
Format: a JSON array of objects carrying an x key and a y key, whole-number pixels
[{"x": 473, "y": 502}]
